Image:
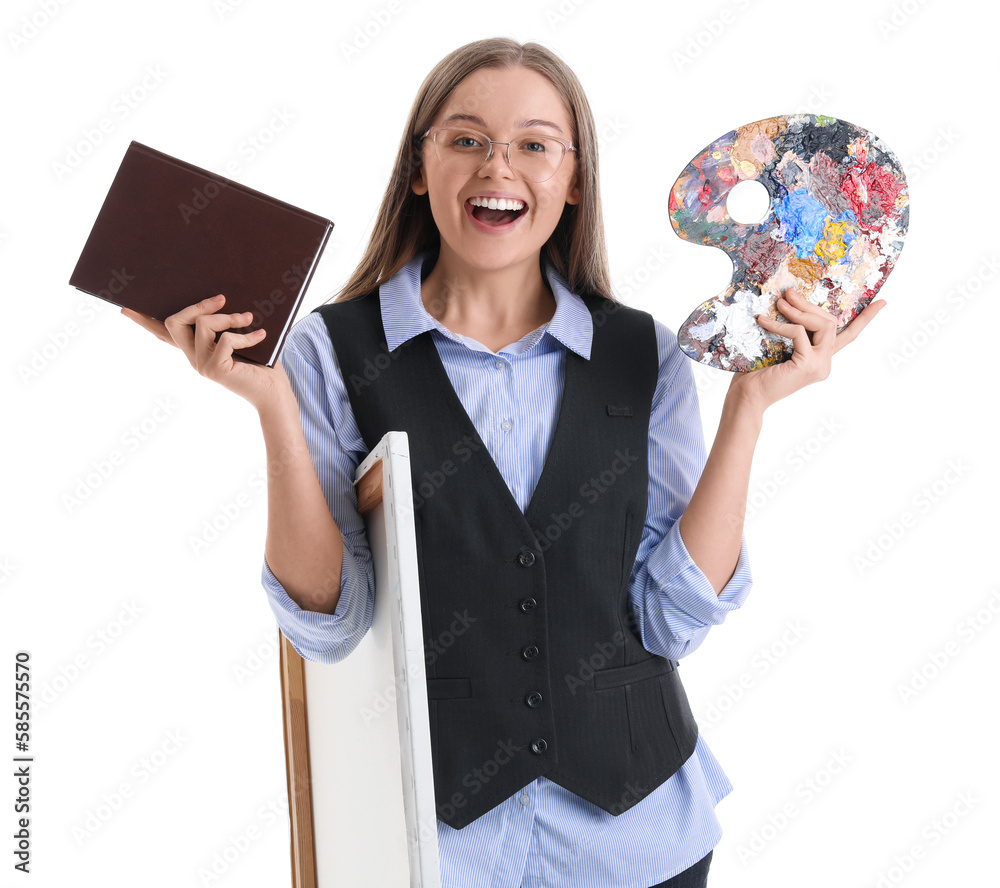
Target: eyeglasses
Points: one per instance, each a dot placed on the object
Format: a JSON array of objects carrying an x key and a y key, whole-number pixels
[{"x": 535, "y": 158}]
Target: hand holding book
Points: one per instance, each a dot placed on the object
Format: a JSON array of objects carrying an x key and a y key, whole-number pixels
[
  {"x": 207, "y": 337},
  {"x": 170, "y": 233}
]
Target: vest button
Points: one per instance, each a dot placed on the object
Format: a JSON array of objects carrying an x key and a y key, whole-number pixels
[
  {"x": 526, "y": 559},
  {"x": 528, "y": 605},
  {"x": 529, "y": 652},
  {"x": 533, "y": 699},
  {"x": 539, "y": 746}
]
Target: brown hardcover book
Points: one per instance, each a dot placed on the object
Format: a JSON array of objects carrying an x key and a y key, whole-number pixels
[{"x": 171, "y": 234}]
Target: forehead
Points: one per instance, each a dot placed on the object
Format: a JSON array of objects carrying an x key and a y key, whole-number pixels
[{"x": 507, "y": 98}]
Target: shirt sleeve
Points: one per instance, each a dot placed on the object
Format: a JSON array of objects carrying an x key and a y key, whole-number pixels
[
  {"x": 673, "y": 603},
  {"x": 336, "y": 448}
]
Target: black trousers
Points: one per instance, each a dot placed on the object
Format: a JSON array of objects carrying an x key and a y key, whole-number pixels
[{"x": 693, "y": 877}]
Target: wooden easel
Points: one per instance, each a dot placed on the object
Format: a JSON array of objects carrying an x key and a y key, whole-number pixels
[{"x": 357, "y": 736}]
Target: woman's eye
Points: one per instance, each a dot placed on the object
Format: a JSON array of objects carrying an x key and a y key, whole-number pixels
[
  {"x": 534, "y": 146},
  {"x": 466, "y": 142}
]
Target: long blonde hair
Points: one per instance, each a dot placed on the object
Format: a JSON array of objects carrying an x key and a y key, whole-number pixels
[{"x": 405, "y": 226}]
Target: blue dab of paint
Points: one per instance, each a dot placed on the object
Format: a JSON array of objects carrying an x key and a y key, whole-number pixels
[
  {"x": 802, "y": 219},
  {"x": 851, "y": 232}
]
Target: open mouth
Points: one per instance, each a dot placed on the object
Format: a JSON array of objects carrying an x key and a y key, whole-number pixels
[{"x": 496, "y": 212}]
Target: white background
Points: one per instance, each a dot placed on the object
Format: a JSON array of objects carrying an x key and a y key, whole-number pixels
[{"x": 179, "y": 703}]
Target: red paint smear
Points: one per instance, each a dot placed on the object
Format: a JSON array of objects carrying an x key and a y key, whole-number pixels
[
  {"x": 762, "y": 255},
  {"x": 727, "y": 174},
  {"x": 705, "y": 194},
  {"x": 861, "y": 302},
  {"x": 870, "y": 185}
]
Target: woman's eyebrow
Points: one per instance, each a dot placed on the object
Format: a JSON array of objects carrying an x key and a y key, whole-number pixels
[{"x": 521, "y": 124}]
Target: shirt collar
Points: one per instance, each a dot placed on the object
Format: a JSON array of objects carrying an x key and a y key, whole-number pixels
[{"x": 404, "y": 315}]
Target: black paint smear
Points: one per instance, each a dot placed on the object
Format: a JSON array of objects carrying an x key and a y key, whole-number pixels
[
  {"x": 831, "y": 139},
  {"x": 771, "y": 179}
]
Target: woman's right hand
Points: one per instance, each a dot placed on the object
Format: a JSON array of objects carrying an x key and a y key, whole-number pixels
[{"x": 193, "y": 331}]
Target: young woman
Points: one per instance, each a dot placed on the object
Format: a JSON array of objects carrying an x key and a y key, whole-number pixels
[{"x": 567, "y": 516}]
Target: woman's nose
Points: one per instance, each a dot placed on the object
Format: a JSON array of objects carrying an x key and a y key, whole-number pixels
[{"x": 497, "y": 161}]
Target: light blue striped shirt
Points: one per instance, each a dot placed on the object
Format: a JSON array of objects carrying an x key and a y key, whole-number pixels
[{"x": 543, "y": 835}]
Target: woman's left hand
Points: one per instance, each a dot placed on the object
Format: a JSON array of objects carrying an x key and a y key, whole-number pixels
[{"x": 815, "y": 341}]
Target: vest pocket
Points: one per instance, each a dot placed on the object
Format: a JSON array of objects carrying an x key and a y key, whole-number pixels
[
  {"x": 641, "y": 695},
  {"x": 625, "y": 675},
  {"x": 679, "y": 716}
]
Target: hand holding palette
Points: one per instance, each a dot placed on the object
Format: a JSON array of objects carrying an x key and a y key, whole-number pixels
[{"x": 838, "y": 215}]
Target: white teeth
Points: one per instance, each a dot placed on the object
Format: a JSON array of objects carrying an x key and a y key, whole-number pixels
[{"x": 494, "y": 204}]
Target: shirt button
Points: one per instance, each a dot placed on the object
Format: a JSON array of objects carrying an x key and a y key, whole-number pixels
[
  {"x": 526, "y": 559},
  {"x": 539, "y": 746},
  {"x": 533, "y": 699},
  {"x": 527, "y": 605},
  {"x": 529, "y": 652},
  {"x": 499, "y": 364},
  {"x": 506, "y": 425},
  {"x": 525, "y": 798}
]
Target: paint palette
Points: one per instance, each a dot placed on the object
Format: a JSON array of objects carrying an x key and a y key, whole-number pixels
[{"x": 838, "y": 215}]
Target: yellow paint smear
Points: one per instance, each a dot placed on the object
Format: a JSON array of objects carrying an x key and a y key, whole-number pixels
[{"x": 832, "y": 247}]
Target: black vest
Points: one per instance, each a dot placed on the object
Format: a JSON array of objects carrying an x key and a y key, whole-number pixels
[{"x": 534, "y": 665}]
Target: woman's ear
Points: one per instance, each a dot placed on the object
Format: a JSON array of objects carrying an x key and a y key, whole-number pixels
[
  {"x": 573, "y": 195},
  {"x": 418, "y": 184}
]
